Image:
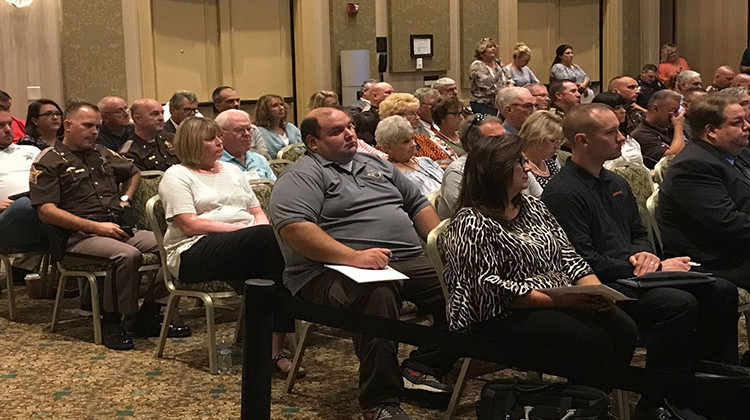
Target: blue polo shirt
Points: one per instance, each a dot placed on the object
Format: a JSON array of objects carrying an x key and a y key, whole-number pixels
[{"x": 253, "y": 161}]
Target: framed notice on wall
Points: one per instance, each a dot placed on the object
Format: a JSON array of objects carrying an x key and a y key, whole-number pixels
[{"x": 421, "y": 45}]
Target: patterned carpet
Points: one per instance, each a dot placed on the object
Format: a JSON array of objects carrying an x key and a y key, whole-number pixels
[{"x": 63, "y": 375}]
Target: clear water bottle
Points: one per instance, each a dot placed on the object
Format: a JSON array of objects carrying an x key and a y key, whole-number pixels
[{"x": 224, "y": 358}]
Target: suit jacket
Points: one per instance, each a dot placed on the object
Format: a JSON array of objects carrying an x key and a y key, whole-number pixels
[
  {"x": 170, "y": 127},
  {"x": 704, "y": 207}
]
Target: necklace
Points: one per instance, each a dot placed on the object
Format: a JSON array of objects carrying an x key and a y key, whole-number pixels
[
  {"x": 214, "y": 169},
  {"x": 543, "y": 172},
  {"x": 411, "y": 164}
]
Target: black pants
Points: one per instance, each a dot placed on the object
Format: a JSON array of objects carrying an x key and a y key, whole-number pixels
[
  {"x": 607, "y": 336},
  {"x": 380, "y": 378},
  {"x": 234, "y": 257}
]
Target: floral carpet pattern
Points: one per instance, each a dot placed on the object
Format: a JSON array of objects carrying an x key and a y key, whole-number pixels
[{"x": 64, "y": 375}]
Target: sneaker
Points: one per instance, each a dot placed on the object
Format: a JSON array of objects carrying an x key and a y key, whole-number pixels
[
  {"x": 423, "y": 382},
  {"x": 86, "y": 309},
  {"x": 115, "y": 337},
  {"x": 391, "y": 411}
]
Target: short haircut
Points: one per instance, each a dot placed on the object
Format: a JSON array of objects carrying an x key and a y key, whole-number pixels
[
  {"x": 662, "y": 96},
  {"x": 216, "y": 94},
  {"x": 616, "y": 78},
  {"x": 176, "y": 100},
  {"x": 734, "y": 91},
  {"x": 422, "y": 93},
  {"x": 685, "y": 75},
  {"x": 443, "y": 83},
  {"x": 365, "y": 122},
  {"x": 469, "y": 131},
  {"x": 221, "y": 119},
  {"x": 708, "y": 110},
  {"x": 397, "y": 103},
  {"x": 692, "y": 90},
  {"x": 506, "y": 96},
  {"x": 482, "y": 47},
  {"x": 392, "y": 130},
  {"x": 579, "y": 120},
  {"x": 367, "y": 83},
  {"x": 611, "y": 99},
  {"x": 188, "y": 141},
  {"x": 318, "y": 98},
  {"x": 263, "y": 110},
  {"x": 556, "y": 87},
  {"x": 310, "y": 125},
  {"x": 443, "y": 106},
  {"x": 521, "y": 49},
  {"x": 73, "y": 107},
  {"x": 541, "y": 126},
  {"x": 650, "y": 67},
  {"x": 4, "y": 96},
  {"x": 531, "y": 86}
]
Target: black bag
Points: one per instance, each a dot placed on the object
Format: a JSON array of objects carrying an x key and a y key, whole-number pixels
[{"x": 516, "y": 399}]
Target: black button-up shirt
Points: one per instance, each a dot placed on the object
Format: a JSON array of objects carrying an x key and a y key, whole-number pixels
[{"x": 600, "y": 217}]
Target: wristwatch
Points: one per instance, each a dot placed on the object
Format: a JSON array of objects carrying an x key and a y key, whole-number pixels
[{"x": 125, "y": 198}]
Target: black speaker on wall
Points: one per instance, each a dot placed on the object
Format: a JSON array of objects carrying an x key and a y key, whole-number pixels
[
  {"x": 382, "y": 63},
  {"x": 381, "y": 44}
]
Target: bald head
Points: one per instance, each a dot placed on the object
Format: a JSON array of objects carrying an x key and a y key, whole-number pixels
[
  {"x": 741, "y": 79},
  {"x": 379, "y": 91},
  {"x": 625, "y": 86},
  {"x": 114, "y": 113},
  {"x": 723, "y": 77},
  {"x": 148, "y": 117}
]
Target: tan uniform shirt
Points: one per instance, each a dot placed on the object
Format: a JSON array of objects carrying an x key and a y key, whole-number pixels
[{"x": 157, "y": 155}]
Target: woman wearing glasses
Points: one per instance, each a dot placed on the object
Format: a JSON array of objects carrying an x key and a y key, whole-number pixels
[
  {"x": 447, "y": 114},
  {"x": 43, "y": 124},
  {"x": 487, "y": 76},
  {"x": 542, "y": 134},
  {"x": 499, "y": 292}
]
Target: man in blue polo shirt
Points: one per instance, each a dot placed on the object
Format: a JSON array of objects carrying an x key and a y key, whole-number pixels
[{"x": 236, "y": 131}]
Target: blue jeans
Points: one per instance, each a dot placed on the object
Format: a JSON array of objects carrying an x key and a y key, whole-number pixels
[{"x": 20, "y": 226}]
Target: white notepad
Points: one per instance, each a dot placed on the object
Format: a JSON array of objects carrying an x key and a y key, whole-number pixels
[{"x": 366, "y": 275}]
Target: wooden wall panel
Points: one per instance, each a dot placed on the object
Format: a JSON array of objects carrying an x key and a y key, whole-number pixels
[
  {"x": 415, "y": 17},
  {"x": 478, "y": 19}
]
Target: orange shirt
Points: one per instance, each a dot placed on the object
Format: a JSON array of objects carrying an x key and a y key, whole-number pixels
[{"x": 667, "y": 70}]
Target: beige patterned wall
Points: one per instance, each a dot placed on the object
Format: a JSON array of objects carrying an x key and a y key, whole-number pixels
[
  {"x": 93, "y": 49},
  {"x": 416, "y": 17},
  {"x": 356, "y": 32},
  {"x": 479, "y": 19},
  {"x": 631, "y": 40}
]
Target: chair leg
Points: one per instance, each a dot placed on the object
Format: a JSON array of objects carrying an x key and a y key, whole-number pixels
[
  {"x": 303, "y": 332},
  {"x": 210, "y": 334},
  {"x": 11, "y": 290},
  {"x": 458, "y": 388},
  {"x": 95, "y": 308},
  {"x": 58, "y": 298},
  {"x": 240, "y": 321},
  {"x": 622, "y": 401},
  {"x": 172, "y": 302},
  {"x": 747, "y": 326}
]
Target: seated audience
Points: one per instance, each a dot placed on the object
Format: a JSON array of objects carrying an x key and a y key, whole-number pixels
[
  {"x": 270, "y": 117},
  {"x": 427, "y": 98},
  {"x": 741, "y": 95},
  {"x": 447, "y": 114},
  {"x": 499, "y": 292},
  {"x": 323, "y": 98},
  {"x": 336, "y": 206},
  {"x": 630, "y": 152},
  {"x": 365, "y": 124},
  {"x": 406, "y": 105},
  {"x": 84, "y": 206},
  {"x": 182, "y": 104},
  {"x": 395, "y": 136},
  {"x": 237, "y": 138},
  {"x": 116, "y": 126},
  {"x": 542, "y": 136},
  {"x": 741, "y": 80},
  {"x": 43, "y": 124},
  {"x": 661, "y": 132},
  {"x": 539, "y": 91},
  {"x": 216, "y": 229},
  {"x": 704, "y": 209},
  {"x": 378, "y": 92},
  {"x": 671, "y": 63},
  {"x": 363, "y": 102},
  {"x": 520, "y": 73},
  {"x": 722, "y": 79},
  {"x": 628, "y": 88},
  {"x": 19, "y": 127},
  {"x": 687, "y": 79},
  {"x": 599, "y": 214},
  {"x": 515, "y": 105},
  {"x": 649, "y": 84},
  {"x": 446, "y": 86},
  {"x": 150, "y": 148},
  {"x": 563, "y": 95},
  {"x": 691, "y": 95},
  {"x": 225, "y": 97}
]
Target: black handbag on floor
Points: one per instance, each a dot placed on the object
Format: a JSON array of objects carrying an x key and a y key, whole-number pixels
[{"x": 516, "y": 399}]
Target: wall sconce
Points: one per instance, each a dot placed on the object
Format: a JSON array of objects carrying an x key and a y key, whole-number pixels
[
  {"x": 20, "y": 3},
  {"x": 352, "y": 9}
]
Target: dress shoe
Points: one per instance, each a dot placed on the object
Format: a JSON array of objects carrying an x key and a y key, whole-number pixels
[
  {"x": 115, "y": 337},
  {"x": 150, "y": 326}
]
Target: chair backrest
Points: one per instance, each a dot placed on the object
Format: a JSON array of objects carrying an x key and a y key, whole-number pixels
[
  {"x": 639, "y": 179},
  {"x": 262, "y": 188},
  {"x": 158, "y": 224},
  {"x": 147, "y": 188},
  {"x": 292, "y": 151},
  {"x": 563, "y": 156},
  {"x": 279, "y": 165},
  {"x": 434, "y": 197},
  {"x": 660, "y": 169},
  {"x": 435, "y": 253},
  {"x": 651, "y": 205}
]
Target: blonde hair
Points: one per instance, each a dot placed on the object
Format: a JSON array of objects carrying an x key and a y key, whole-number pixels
[
  {"x": 541, "y": 126},
  {"x": 520, "y": 49},
  {"x": 396, "y": 104},
  {"x": 263, "y": 111},
  {"x": 188, "y": 141},
  {"x": 666, "y": 49},
  {"x": 318, "y": 98},
  {"x": 482, "y": 46}
]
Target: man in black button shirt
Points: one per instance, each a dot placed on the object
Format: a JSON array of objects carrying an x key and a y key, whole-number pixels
[
  {"x": 182, "y": 104},
  {"x": 597, "y": 210},
  {"x": 116, "y": 128},
  {"x": 148, "y": 147}
]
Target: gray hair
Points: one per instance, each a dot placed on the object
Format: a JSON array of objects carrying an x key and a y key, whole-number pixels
[
  {"x": 662, "y": 96},
  {"x": 222, "y": 118},
  {"x": 179, "y": 96},
  {"x": 685, "y": 75},
  {"x": 469, "y": 132},
  {"x": 507, "y": 96},
  {"x": 443, "y": 83},
  {"x": 423, "y": 92},
  {"x": 392, "y": 129},
  {"x": 734, "y": 91}
]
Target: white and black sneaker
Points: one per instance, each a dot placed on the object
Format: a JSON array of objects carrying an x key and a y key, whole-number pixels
[
  {"x": 420, "y": 381},
  {"x": 387, "y": 411}
]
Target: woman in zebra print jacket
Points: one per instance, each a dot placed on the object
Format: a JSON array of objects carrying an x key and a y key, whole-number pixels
[{"x": 503, "y": 248}]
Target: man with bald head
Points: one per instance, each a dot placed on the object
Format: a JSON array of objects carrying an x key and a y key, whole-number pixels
[
  {"x": 515, "y": 105},
  {"x": 149, "y": 148},
  {"x": 378, "y": 92},
  {"x": 237, "y": 134},
  {"x": 628, "y": 88},
  {"x": 337, "y": 206},
  {"x": 741, "y": 80},
  {"x": 116, "y": 127},
  {"x": 722, "y": 79}
]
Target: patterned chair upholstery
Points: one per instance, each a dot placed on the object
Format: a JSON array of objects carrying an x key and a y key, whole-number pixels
[
  {"x": 292, "y": 152},
  {"x": 279, "y": 165},
  {"x": 639, "y": 179},
  {"x": 660, "y": 169},
  {"x": 563, "y": 156},
  {"x": 147, "y": 188},
  {"x": 262, "y": 188}
]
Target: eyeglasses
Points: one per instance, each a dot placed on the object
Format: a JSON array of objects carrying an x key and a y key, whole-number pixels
[
  {"x": 557, "y": 142},
  {"x": 528, "y": 106},
  {"x": 57, "y": 114},
  {"x": 409, "y": 114},
  {"x": 242, "y": 130},
  {"x": 191, "y": 111},
  {"x": 455, "y": 113}
]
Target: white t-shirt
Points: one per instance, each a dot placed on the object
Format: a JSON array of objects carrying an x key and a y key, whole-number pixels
[
  {"x": 15, "y": 163},
  {"x": 223, "y": 197}
]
